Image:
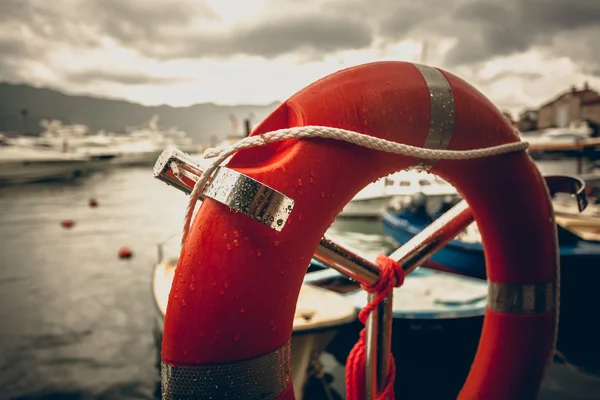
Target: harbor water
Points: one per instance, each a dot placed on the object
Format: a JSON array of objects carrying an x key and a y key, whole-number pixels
[{"x": 75, "y": 320}]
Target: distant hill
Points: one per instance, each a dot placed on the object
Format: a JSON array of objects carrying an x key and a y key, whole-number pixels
[{"x": 200, "y": 121}]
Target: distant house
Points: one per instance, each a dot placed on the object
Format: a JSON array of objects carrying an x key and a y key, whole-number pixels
[
  {"x": 528, "y": 120},
  {"x": 574, "y": 105}
]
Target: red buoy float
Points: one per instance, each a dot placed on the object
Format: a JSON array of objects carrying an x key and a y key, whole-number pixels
[
  {"x": 230, "y": 314},
  {"x": 93, "y": 202},
  {"x": 67, "y": 223},
  {"x": 125, "y": 252}
]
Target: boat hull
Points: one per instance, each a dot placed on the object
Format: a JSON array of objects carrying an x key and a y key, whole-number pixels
[
  {"x": 376, "y": 207},
  {"x": 373, "y": 207},
  {"x": 462, "y": 258},
  {"x": 313, "y": 330},
  {"x": 35, "y": 171}
]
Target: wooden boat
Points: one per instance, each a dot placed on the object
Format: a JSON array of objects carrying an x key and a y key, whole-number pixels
[
  {"x": 320, "y": 315},
  {"x": 585, "y": 224}
]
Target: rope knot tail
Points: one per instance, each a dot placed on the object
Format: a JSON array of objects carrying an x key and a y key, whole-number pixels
[{"x": 391, "y": 275}]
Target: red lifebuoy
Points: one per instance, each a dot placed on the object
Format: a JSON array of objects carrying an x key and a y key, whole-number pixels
[{"x": 231, "y": 307}]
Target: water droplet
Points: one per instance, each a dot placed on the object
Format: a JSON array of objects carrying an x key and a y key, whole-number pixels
[
  {"x": 312, "y": 173},
  {"x": 236, "y": 243},
  {"x": 251, "y": 252},
  {"x": 225, "y": 236},
  {"x": 242, "y": 310},
  {"x": 183, "y": 303},
  {"x": 276, "y": 243},
  {"x": 311, "y": 180},
  {"x": 236, "y": 234},
  {"x": 185, "y": 352},
  {"x": 300, "y": 217},
  {"x": 214, "y": 284},
  {"x": 236, "y": 338},
  {"x": 273, "y": 328},
  {"x": 222, "y": 292},
  {"x": 282, "y": 272},
  {"x": 228, "y": 246},
  {"x": 226, "y": 285},
  {"x": 193, "y": 279},
  {"x": 283, "y": 169},
  {"x": 258, "y": 253},
  {"x": 322, "y": 193},
  {"x": 299, "y": 182},
  {"x": 192, "y": 288}
]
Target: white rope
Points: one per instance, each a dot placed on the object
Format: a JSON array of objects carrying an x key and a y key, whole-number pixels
[{"x": 302, "y": 132}]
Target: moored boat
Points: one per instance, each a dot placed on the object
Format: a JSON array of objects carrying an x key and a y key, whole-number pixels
[
  {"x": 579, "y": 266},
  {"x": 319, "y": 317},
  {"x": 437, "y": 319},
  {"x": 375, "y": 199},
  {"x": 21, "y": 164}
]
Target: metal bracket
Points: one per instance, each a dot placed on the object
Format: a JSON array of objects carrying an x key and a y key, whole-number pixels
[
  {"x": 231, "y": 188},
  {"x": 568, "y": 184}
]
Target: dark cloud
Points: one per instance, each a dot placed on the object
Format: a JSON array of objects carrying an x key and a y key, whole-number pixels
[
  {"x": 316, "y": 33},
  {"x": 490, "y": 28},
  {"x": 176, "y": 29},
  {"x": 167, "y": 30},
  {"x": 496, "y": 28}
]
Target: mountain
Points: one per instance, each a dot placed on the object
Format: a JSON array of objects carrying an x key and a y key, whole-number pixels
[{"x": 202, "y": 122}]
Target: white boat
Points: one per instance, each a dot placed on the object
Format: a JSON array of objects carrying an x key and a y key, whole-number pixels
[
  {"x": 389, "y": 192},
  {"x": 320, "y": 314},
  {"x": 20, "y": 164}
]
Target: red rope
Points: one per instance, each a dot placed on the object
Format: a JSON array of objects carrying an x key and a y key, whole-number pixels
[{"x": 391, "y": 275}]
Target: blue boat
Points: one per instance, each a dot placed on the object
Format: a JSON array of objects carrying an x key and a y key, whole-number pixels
[
  {"x": 467, "y": 258},
  {"x": 580, "y": 272}
]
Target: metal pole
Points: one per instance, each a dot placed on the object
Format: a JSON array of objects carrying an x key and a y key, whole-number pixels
[{"x": 435, "y": 236}]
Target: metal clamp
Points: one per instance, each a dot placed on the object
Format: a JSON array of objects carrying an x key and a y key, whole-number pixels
[
  {"x": 568, "y": 184},
  {"x": 231, "y": 188}
]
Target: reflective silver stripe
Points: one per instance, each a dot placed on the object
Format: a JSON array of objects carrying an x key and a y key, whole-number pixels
[
  {"x": 441, "y": 106},
  {"x": 250, "y": 197},
  {"x": 522, "y": 299},
  {"x": 261, "y": 378}
]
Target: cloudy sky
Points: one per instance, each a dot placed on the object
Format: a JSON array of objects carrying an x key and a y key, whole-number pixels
[{"x": 178, "y": 52}]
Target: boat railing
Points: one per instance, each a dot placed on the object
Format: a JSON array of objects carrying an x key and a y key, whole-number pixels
[{"x": 160, "y": 246}]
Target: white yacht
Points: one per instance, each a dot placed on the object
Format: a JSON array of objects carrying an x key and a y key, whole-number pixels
[
  {"x": 376, "y": 198},
  {"x": 19, "y": 164}
]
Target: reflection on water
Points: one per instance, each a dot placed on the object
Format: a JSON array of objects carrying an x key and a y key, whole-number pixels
[{"x": 76, "y": 321}]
